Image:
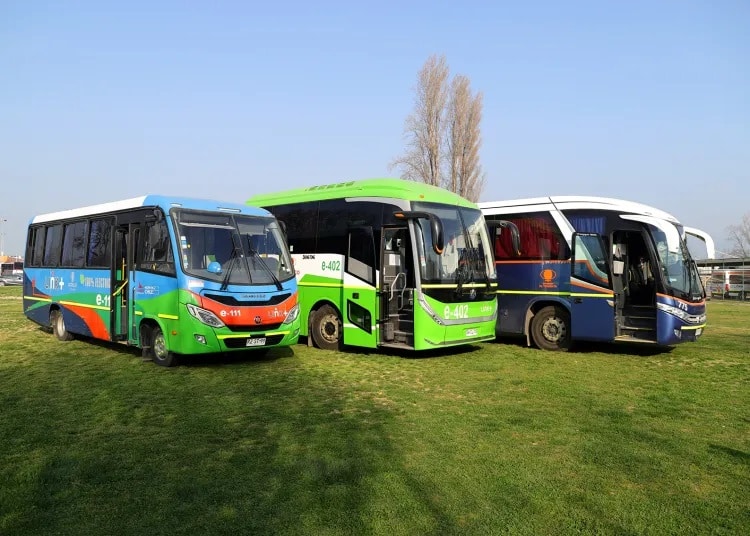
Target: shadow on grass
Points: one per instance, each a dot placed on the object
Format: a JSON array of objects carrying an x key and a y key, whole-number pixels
[
  {"x": 739, "y": 455},
  {"x": 265, "y": 446},
  {"x": 586, "y": 347},
  {"x": 196, "y": 360}
]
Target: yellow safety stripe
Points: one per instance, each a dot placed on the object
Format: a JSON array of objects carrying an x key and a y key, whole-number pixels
[
  {"x": 36, "y": 298},
  {"x": 87, "y": 306}
]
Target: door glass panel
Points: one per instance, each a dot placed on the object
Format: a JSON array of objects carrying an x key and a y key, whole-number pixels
[
  {"x": 590, "y": 259},
  {"x": 359, "y": 316}
]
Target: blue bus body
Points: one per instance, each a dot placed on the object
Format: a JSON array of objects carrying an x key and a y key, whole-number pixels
[{"x": 595, "y": 269}]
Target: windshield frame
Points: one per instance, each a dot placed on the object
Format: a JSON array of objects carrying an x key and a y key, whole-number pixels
[
  {"x": 217, "y": 246},
  {"x": 467, "y": 257},
  {"x": 678, "y": 270}
]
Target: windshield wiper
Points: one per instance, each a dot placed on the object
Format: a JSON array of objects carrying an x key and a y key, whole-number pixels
[
  {"x": 230, "y": 266},
  {"x": 234, "y": 258},
  {"x": 262, "y": 262}
]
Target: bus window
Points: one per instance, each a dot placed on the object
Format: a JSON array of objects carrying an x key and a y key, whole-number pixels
[
  {"x": 74, "y": 244},
  {"x": 157, "y": 251},
  {"x": 100, "y": 252},
  {"x": 590, "y": 261},
  {"x": 539, "y": 237},
  {"x": 52, "y": 246}
]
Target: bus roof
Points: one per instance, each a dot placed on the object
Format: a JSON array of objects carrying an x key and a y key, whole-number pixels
[
  {"x": 380, "y": 187},
  {"x": 563, "y": 202},
  {"x": 165, "y": 202}
]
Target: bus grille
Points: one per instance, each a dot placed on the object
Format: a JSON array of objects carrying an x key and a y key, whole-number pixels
[
  {"x": 232, "y": 300},
  {"x": 256, "y": 327}
]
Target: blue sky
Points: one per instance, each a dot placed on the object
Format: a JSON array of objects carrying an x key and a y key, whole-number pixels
[{"x": 647, "y": 101}]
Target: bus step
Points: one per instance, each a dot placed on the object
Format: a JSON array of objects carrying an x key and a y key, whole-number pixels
[
  {"x": 637, "y": 328},
  {"x": 630, "y": 338},
  {"x": 404, "y": 337},
  {"x": 639, "y": 322}
]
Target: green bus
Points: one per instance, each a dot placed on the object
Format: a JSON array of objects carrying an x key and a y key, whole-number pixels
[{"x": 388, "y": 263}]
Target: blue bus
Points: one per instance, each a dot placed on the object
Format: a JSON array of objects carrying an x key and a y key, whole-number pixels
[
  {"x": 169, "y": 275},
  {"x": 597, "y": 269}
]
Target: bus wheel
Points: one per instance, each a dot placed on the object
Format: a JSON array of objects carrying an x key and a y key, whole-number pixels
[
  {"x": 159, "y": 351},
  {"x": 326, "y": 328},
  {"x": 550, "y": 328},
  {"x": 58, "y": 326}
]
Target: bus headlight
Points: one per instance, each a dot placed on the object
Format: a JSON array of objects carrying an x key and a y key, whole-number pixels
[
  {"x": 292, "y": 315},
  {"x": 205, "y": 316}
]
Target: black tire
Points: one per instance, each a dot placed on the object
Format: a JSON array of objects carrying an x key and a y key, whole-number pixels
[
  {"x": 57, "y": 322},
  {"x": 326, "y": 328},
  {"x": 550, "y": 329},
  {"x": 160, "y": 353}
]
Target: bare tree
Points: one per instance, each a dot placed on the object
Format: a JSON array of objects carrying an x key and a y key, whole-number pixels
[
  {"x": 463, "y": 140},
  {"x": 425, "y": 128},
  {"x": 739, "y": 237}
]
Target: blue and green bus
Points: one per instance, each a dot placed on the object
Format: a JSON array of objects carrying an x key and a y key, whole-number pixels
[{"x": 169, "y": 275}]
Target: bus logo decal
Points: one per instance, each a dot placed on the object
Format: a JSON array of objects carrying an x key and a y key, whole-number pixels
[
  {"x": 258, "y": 320},
  {"x": 549, "y": 277}
]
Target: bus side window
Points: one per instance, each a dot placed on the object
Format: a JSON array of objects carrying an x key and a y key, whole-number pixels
[
  {"x": 99, "y": 250},
  {"x": 157, "y": 250}
]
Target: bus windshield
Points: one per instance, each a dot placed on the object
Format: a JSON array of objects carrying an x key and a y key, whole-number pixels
[
  {"x": 467, "y": 256},
  {"x": 232, "y": 248},
  {"x": 677, "y": 266}
]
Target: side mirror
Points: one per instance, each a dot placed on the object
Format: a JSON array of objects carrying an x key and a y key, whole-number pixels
[
  {"x": 282, "y": 225},
  {"x": 496, "y": 228},
  {"x": 436, "y": 226}
]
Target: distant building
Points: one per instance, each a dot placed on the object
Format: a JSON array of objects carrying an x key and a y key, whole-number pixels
[{"x": 11, "y": 264}]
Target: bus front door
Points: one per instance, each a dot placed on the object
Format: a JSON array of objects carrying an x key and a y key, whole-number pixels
[
  {"x": 396, "y": 288},
  {"x": 591, "y": 296},
  {"x": 360, "y": 295},
  {"x": 119, "y": 290}
]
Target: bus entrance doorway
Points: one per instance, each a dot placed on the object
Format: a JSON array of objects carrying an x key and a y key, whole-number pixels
[
  {"x": 397, "y": 288},
  {"x": 634, "y": 287}
]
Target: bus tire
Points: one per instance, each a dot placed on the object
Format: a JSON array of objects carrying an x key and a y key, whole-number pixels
[
  {"x": 160, "y": 353},
  {"x": 550, "y": 328},
  {"x": 326, "y": 328},
  {"x": 57, "y": 322}
]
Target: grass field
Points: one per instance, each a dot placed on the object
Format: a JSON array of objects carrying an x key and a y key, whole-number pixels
[{"x": 497, "y": 439}]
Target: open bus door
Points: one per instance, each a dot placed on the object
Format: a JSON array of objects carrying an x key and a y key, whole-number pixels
[
  {"x": 592, "y": 299},
  {"x": 396, "y": 288},
  {"x": 360, "y": 306}
]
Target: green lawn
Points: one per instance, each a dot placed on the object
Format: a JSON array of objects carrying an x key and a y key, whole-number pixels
[{"x": 495, "y": 439}]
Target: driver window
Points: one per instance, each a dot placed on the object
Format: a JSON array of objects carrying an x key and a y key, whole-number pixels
[{"x": 156, "y": 253}]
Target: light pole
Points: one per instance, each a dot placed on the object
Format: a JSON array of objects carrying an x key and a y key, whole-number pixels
[{"x": 2, "y": 235}]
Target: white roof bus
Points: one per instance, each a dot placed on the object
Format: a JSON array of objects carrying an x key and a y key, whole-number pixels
[
  {"x": 598, "y": 269},
  {"x": 167, "y": 274},
  {"x": 729, "y": 283},
  {"x": 388, "y": 263}
]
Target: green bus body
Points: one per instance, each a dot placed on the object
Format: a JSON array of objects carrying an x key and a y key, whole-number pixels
[{"x": 372, "y": 271}]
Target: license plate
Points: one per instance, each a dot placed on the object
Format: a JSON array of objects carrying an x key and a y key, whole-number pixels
[
  {"x": 256, "y": 341},
  {"x": 471, "y": 332},
  {"x": 698, "y": 332}
]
